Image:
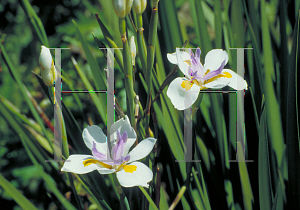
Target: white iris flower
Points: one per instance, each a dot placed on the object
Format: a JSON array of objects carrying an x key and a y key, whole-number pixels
[
  {"x": 129, "y": 171},
  {"x": 184, "y": 91}
]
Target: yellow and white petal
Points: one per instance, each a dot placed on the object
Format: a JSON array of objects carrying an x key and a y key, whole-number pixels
[
  {"x": 214, "y": 59},
  {"x": 95, "y": 134},
  {"x": 182, "y": 93},
  {"x": 142, "y": 149},
  {"x": 82, "y": 164},
  {"x": 135, "y": 174},
  {"x": 227, "y": 77},
  {"x": 236, "y": 82},
  {"x": 179, "y": 58},
  {"x": 75, "y": 164}
]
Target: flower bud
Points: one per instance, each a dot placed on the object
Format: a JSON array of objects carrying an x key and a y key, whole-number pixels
[
  {"x": 139, "y": 6},
  {"x": 48, "y": 69},
  {"x": 122, "y": 7},
  {"x": 132, "y": 49}
]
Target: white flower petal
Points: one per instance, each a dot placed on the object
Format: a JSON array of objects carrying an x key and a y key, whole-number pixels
[
  {"x": 140, "y": 177},
  {"x": 236, "y": 82},
  {"x": 95, "y": 134},
  {"x": 142, "y": 149},
  {"x": 123, "y": 125},
  {"x": 182, "y": 57},
  {"x": 75, "y": 164},
  {"x": 172, "y": 57},
  {"x": 106, "y": 171},
  {"x": 178, "y": 58},
  {"x": 128, "y": 145},
  {"x": 214, "y": 59},
  {"x": 180, "y": 97}
]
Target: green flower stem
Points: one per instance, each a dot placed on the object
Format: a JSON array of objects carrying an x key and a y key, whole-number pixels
[
  {"x": 178, "y": 197},
  {"x": 127, "y": 70},
  {"x": 150, "y": 54},
  {"x": 123, "y": 199},
  {"x": 152, "y": 204},
  {"x": 141, "y": 41}
]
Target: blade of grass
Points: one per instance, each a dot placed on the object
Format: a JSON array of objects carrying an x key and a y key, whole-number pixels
[
  {"x": 99, "y": 77},
  {"x": 278, "y": 203},
  {"x": 292, "y": 125},
  {"x": 151, "y": 202},
  {"x": 14, "y": 110},
  {"x": 21, "y": 131},
  {"x": 245, "y": 181},
  {"x": 35, "y": 22},
  {"x": 265, "y": 194},
  {"x": 87, "y": 84},
  {"x": 15, "y": 75},
  {"x": 272, "y": 105},
  {"x": 218, "y": 24},
  {"x": 15, "y": 194}
]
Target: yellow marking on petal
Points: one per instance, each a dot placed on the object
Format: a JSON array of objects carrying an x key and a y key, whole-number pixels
[
  {"x": 93, "y": 161},
  {"x": 188, "y": 62},
  {"x": 207, "y": 71},
  {"x": 195, "y": 82},
  {"x": 186, "y": 84},
  {"x": 89, "y": 162},
  {"x": 130, "y": 168},
  {"x": 223, "y": 74}
]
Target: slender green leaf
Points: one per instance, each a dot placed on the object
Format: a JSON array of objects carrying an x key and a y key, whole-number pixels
[
  {"x": 292, "y": 126},
  {"x": 16, "y": 195},
  {"x": 265, "y": 194},
  {"x": 272, "y": 105},
  {"x": 245, "y": 181}
]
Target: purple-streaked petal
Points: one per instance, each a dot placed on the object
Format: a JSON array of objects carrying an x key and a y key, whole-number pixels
[
  {"x": 98, "y": 154},
  {"x": 122, "y": 125},
  {"x": 127, "y": 158},
  {"x": 197, "y": 68},
  {"x": 119, "y": 147},
  {"x": 214, "y": 73},
  {"x": 94, "y": 134},
  {"x": 197, "y": 54}
]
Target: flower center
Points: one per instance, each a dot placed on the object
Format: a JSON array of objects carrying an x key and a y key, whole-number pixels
[{"x": 186, "y": 84}]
